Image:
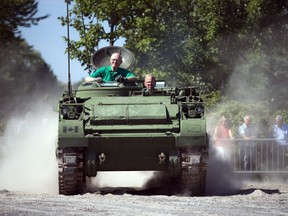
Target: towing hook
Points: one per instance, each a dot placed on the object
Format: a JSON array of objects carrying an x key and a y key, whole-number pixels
[
  {"x": 161, "y": 157},
  {"x": 102, "y": 158}
]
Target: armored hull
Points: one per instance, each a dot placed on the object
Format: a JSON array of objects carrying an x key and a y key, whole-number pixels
[{"x": 112, "y": 127}]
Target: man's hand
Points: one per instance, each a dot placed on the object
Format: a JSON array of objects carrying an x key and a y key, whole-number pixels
[
  {"x": 121, "y": 79},
  {"x": 91, "y": 79}
]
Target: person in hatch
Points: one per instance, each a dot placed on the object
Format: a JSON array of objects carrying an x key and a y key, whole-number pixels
[{"x": 112, "y": 72}]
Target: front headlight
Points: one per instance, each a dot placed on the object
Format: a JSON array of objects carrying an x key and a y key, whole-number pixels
[
  {"x": 193, "y": 110},
  {"x": 71, "y": 111},
  {"x": 199, "y": 109}
]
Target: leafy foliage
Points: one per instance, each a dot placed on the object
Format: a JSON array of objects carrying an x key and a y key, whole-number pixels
[
  {"x": 24, "y": 76},
  {"x": 235, "y": 112},
  {"x": 15, "y": 14},
  {"x": 234, "y": 50}
]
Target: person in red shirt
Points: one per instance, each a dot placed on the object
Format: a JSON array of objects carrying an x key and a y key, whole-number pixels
[{"x": 222, "y": 137}]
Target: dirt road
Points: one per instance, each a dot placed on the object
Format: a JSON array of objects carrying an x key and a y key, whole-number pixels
[{"x": 265, "y": 198}]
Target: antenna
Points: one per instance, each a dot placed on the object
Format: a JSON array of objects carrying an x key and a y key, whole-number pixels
[
  {"x": 85, "y": 38},
  {"x": 68, "y": 48}
]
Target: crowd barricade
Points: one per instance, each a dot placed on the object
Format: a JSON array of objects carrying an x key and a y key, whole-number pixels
[{"x": 254, "y": 156}]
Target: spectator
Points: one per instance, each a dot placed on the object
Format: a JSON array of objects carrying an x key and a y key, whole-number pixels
[
  {"x": 280, "y": 133},
  {"x": 222, "y": 136},
  {"x": 247, "y": 146},
  {"x": 112, "y": 72},
  {"x": 149, "y": 82}
]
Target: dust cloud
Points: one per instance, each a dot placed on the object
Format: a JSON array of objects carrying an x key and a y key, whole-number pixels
[
  {"x": 28, "y": 162},
  {"x": 248, "y": 83},
  {"x": 109, "y": 181},
  {"x": 27, "y": 152},
  {"x": 221, "y": 180}
]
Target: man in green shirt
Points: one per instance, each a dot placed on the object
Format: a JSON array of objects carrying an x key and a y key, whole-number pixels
[{"x": 112, "y": 72}]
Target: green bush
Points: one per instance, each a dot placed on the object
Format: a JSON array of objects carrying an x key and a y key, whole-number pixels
[{"x": 262, "y": 117}]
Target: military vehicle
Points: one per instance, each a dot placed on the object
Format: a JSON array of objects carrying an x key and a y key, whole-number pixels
[{"x": 116, "y": 127}]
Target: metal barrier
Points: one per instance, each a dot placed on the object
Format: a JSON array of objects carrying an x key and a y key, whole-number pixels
[{"x": 254, "y": 156}]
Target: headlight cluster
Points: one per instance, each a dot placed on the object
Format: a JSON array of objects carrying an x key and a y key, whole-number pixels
[
  {"x": 193, "y": 110},
  {"x": 71, "y": 111}
]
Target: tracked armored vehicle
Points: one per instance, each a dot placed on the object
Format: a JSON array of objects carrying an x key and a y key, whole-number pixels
[{"x": 117, "y": 127}]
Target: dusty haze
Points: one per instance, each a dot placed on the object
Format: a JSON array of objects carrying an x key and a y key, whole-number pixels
[{"x": 28, "y": 162}]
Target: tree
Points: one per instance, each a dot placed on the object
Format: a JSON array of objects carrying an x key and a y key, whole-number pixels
[
  {"x": 19, "y": 63},
  {"x": 15, "y": 14},
  {"x": 19, "y": 66},
  {"x": 198, "y": 41},
  {"x": 91, "y": 18}
]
